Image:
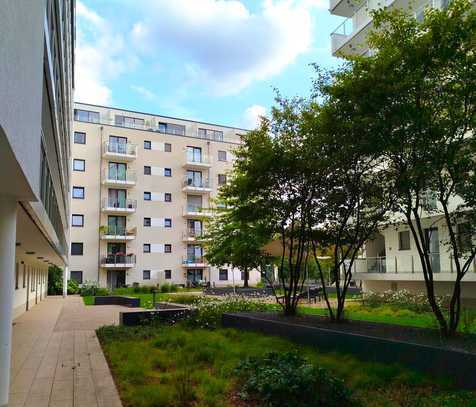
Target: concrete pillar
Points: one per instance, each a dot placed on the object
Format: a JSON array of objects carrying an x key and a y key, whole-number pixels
[
  {"x": 65, "y": 281},
  {"x": 8, "y": 223}
]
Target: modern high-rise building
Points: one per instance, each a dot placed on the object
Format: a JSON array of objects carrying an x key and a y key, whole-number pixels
[
  {"x": 142, "y": 189},
  {"x": 391, "y": 258},
  {"x": 36, "y": 78}
]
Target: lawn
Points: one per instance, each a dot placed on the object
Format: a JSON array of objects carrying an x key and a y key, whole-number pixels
[
  {"x": 181, "y": 366},
  {"x": 146, "y": 298}
]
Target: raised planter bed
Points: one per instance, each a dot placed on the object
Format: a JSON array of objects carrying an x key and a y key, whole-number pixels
[
  {"x": 132, "y": 302},
  {"x": 165, "y": 312},
  {"x": 420, "y": 349}
]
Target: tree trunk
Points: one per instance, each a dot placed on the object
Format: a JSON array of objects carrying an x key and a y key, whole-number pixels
[{"x": 246, "y": 278}]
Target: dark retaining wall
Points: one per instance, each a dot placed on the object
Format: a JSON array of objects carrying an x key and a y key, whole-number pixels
[
  {"x": 457, "y": 365},
  {"x": 133, "y": 318},
  {"x": 117, "y": 300}
]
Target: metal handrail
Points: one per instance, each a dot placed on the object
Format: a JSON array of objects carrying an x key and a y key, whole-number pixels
[{"x": 119, "y": 259}]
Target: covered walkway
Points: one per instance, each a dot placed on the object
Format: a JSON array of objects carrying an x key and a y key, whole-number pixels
[{"x": 56, "y": 358}]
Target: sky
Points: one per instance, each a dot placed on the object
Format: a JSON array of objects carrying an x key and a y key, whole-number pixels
[{"x": 217, "y": 61}]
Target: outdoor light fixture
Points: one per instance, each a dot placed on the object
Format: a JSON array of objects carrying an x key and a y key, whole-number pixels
[
  {"x": 17, "y": 244},
  {"x": 40, "y": 257},
  {"x": 30, "y": 252}
]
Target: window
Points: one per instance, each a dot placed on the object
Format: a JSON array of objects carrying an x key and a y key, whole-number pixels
[
  {"x": 404, "y": 240},
  {"x": 221, "y": 155},
  {"x": 194, "y": 154},
  {"x": 223, "y": 276},
  {"x": 169, "y": 128},
  {"x": 147, "y": 145},
  {"x": 77, "y": 276},
  {"x": 145, "y": 274},
  {"x": 86, "y": 116},
  {"x": 147, "y": 170},
  {"x": 168, "y": 274},
  {"x": 147, "y": 196},
  {"x": 168, "y": 222},
  {"x": 167, "y": 147},
  {"x": 147, "y": 222},
  {"x": 77, "y": 220},
  {"x": 76, "y": 249},
  {"x": 168, "y": 197},
  {"x": 79, "y": 165},
  {"x": 167, "y": 248},
  {"x": 132, "y": 122},
  {"x": 167, "y": 172},
  {"x": 210, "y": 134},
  {"x": 79, "y": 137},
  {"x": 221, "y": 179},
  {"x": 242, "y": 277},
  {"x": 146, "y": 248},
  {"x": 78, "y": 192}
]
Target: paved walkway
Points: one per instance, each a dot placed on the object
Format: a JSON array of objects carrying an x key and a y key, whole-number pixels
[{"x": 57, "y": 360}]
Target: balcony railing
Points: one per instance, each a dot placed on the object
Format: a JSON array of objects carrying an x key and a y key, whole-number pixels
[
  {"x": 126, "y": 204},
  {"x": 196, "y": 210},
  {"x": 118, "y": 259},
  {"x": 114, "y": 231},
  {"x": 196, "y": 183},
  {"x": 201, "y": 159},
  {"x": 193, "y": 260},
  {"x": 193, "y": 233},
  {"x": 120, "y": 148},
  {"x": 124, "y": 177}
]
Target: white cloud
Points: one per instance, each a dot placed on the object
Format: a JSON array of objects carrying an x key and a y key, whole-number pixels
[
  {"x": 227, "y": 45},
  {"x": 252, "y": 116},
  {"x": 100, "y": 56},
  {"x": 148, "y": 94}
]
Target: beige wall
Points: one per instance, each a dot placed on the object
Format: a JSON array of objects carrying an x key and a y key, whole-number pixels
[{"x": 157, "y": 184}]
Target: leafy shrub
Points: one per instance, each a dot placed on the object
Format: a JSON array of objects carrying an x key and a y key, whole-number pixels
[
  {"x": 289, "y": 379},
  {"x": 209, "y": 311},
  {"x": 55, "y": 280},
  {"x": 145, "y": 289},
  {"x": 165, "y": 288},
  {"x": 73, "y": 287},
  {"x": 403, "y": 299},
  {"x": 90, "y": 288}
]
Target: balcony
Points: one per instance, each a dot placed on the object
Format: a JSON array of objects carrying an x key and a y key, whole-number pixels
[
  {"x": 192, "y": 235},
  {"x": 196, "y": 212},
  {"x": 200, "y": 186},
  {"x": 114, "y": 206},
  {"x": 119, "y": 151},
  {"x": 350, "y": 36},
  {"x": 197, "y": 162},
  {"x": 118, "y": 261},
  {"x": 117, "y": 233},
  {"x": 194, "y": 262},
  {"x": 123, "y": 180}
]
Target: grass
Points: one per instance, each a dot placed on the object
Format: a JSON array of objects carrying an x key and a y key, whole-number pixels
[
  {"x": 145, "y": 298},
  {"x": 178, "y": 366}
]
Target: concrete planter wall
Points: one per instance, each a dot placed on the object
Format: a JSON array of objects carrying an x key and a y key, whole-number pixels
[
  {"x": 169, "y": 313},
  {"x": 117, "y": 300},
  {"x": 458, "y": 365}
]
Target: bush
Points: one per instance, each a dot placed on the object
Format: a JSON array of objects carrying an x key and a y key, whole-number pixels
[
  {"x": 55, "y": 281},
  {"x": 289, "y": 379},
  {"x": 165, "y": 288},
  {"x": 209, "y": 311},
  {"x": 90, "y": 288},
  {"x": 73, "y": 287},
  {"x": 403, "y": 299}
]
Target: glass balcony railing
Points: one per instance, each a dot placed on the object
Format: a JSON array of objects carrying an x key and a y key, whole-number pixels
[
  {"x": 118, "y": 259},
  {"x": 128, "y": 176},
  {"x": 193, "y": 260},
  {"x": 120, "y": 148},
  {"x": 196, "y": 183},
  {"x": 112, "y": 203}
]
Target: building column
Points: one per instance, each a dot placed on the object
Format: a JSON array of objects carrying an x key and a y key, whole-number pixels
[
  {"x": 65, "y": 281},
  {"x": 8, "y": 223}
]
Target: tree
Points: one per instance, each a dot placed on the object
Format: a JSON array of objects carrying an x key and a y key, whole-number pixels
[
  {"x": 55, "y": 280},
  {"x": 234, "y": 241},
  {"x": 417, "y": 95}
]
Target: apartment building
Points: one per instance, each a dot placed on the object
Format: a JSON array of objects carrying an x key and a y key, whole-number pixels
[
  {"x": 36, "y": 77},
  {"x": 142, "y": 189},
  {"x": 391, "y": 259}
]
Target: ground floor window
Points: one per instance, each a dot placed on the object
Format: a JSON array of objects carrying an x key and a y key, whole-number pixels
[
  {"x": 223, "y": 274},
  {"x": 168, "y": 274},
  {"x": 195, "y": 275},
  {"x": 77, "y": 276}
]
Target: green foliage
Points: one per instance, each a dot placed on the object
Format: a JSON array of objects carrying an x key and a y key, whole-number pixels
[
  {"x": 90, "y": 288},
  {"x": 168, "y": 288},
  {"x": 209, "y": 311},
  {"x": 55, "y": 280},
  {"x": 288, "y": 378},
  {"x": 73, "y": 287}
]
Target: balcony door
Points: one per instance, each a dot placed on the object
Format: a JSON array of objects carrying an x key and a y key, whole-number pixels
[
  {"x": 194, "y": 227},
  {"x": 116, "y": 279},
  {"x": 194, "y": 252},
  {"x": 433, "y": 247},
  {"x": 116, "y": 225},
  {"x": 194, "y": 154},
  {"x": 194, "y": 178},
  {"x": 117, "y": 171},
  {"x": 194, "y": 203},
  {"x": 117, "y": 198},
  {"x": 195, "y": 275},
  {"x": 118, "y": 144}
]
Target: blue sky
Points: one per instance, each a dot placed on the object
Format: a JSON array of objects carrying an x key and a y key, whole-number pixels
[{"x": 212, "y": 60}]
